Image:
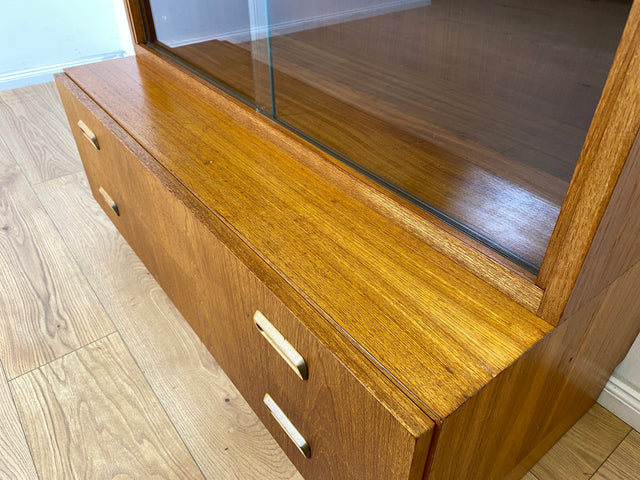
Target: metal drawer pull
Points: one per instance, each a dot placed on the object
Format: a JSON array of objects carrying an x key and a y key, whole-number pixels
[
  {"x": 89, "y": 135},
  {"x": 109, "y": 200},
  {"x": 287, "y": 426},
  {"x": 284, "y": 348}
]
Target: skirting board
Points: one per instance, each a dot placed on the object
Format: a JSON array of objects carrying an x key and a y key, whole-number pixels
[
  {"x": 623, "y": 400},
  {"x": 33, "y": 76}
]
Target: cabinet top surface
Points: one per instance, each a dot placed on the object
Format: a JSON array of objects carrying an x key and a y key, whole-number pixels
[{"x": 437, "y": 330}]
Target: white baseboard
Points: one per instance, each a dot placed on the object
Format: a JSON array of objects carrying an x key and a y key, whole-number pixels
[
  {"x": 623, "y": 400},
  {"x": 307, "y": 23},
  {"x": 33, "y": 76}
]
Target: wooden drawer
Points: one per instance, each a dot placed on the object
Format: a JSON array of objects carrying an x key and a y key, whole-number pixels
[{"x": 350, "y": 432}]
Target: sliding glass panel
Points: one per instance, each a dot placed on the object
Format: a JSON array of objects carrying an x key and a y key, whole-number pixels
[
  {"x": 211, "y": 37},
  {"x": 475, "y": 110}
]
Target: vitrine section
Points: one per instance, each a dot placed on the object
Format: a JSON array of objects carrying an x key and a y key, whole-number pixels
[{"x": 474, "y": 111}]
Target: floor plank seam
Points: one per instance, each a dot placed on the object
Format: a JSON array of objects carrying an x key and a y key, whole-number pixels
[
  {"x": 60, "y": 178},
  {"x": 12, "y": 157},
  {"x": 612, "y": 452},
  {"x": 186, "y": 446},
  {"x": 46, "y": 102},
  {"x": 24, "y": 433},
  {"x": 62, "y": 356},
  {"x": 71, "y": 251},
  {"x": 116, "y": 330},
  {"x": 44, "y": 181},
  {"x": 40, "y": 206}
]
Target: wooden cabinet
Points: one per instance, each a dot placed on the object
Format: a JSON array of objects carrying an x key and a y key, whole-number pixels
[
  {"x": 338, "y": 420},
  {"x": 425, "y": 356}
]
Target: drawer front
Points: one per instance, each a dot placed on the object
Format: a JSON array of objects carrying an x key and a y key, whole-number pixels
[{"x": 326, "y": 421}]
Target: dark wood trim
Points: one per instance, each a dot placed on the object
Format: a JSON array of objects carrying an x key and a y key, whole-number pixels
[
  {"x": 136, "y": 21},
  {"x": 148, "y": 20},
  {"x": 609, "y": 141}
]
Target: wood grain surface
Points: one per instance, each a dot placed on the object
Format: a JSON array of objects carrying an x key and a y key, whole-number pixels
[
  {"x": 15, "y": 459},
  {"x": 538, "y": 398},
  {"x": 494, "y": 269},
  {"x": 34, "y": 128},
  {"x": 220, "y": 303},
  {"x": 616, "y": 245},
  {"x": 581, "y": 451},
  {"x": 458, "y": 178},
  {"x": 343, "y": 422},
  {"x": 135, "y": 15},
  {"x": 92, "y": 414},
  {"x": 444, "y": 343},
  {"x": 624, "y": 462},
  {"x": 213, "y": 419},
  {"x": 608, "y": 141},
  {"x": 482, "y": 136},
  {"x": 574, "y": 361},
  {"x": 145, "y": 312},
  {"x": 48, "y": 307},
  {"x": 621, "y": 466}
]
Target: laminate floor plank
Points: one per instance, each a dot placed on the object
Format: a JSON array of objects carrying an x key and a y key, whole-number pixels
[
  {"x": 529, "y": 476},
  {"x": 36, "y": 131},
  {"x": 91, "y": 414},
  {"x": 624, "y": 462},
  {"x": 46, "y": 305},
  {"x": 24, "y": 94},
  {"x": 15, "y": 459},
  {"x": 579, "y": 453},
  {"x": 215, "y": 422},
  {"x": 7, "y": 162}
]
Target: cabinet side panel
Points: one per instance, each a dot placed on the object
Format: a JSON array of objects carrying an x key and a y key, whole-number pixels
[
  {"x": 616, "y": 246},
  {"x": 501, "y": 432},
  {"x": 508, "y": 426}
]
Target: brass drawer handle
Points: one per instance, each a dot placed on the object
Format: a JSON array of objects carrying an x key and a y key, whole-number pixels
[
  {"x": 89, "y": 135},
  {"x": 287, "y": 426},
  {"x": 284, "y": 348},
  {"x": 109, "y": 200}
]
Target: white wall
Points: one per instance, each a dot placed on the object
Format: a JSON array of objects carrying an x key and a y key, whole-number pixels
[{"x": 41, "y": 37}]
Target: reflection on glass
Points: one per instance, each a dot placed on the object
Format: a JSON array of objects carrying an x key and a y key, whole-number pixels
[
  {"x": 214, "y": 37},
  {"x": 475, "y": 110}
]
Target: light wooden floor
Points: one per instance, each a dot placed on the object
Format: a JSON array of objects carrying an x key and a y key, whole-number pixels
[{"x": 100, "y": 377}]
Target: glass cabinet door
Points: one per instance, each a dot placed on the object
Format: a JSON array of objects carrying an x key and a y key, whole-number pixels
[
  {"x": 474, "y": 110},
  {"x": 213, "y": 38}
]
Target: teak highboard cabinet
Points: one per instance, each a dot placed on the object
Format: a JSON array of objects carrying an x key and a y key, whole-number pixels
[{"x": 373, "y": 341}]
